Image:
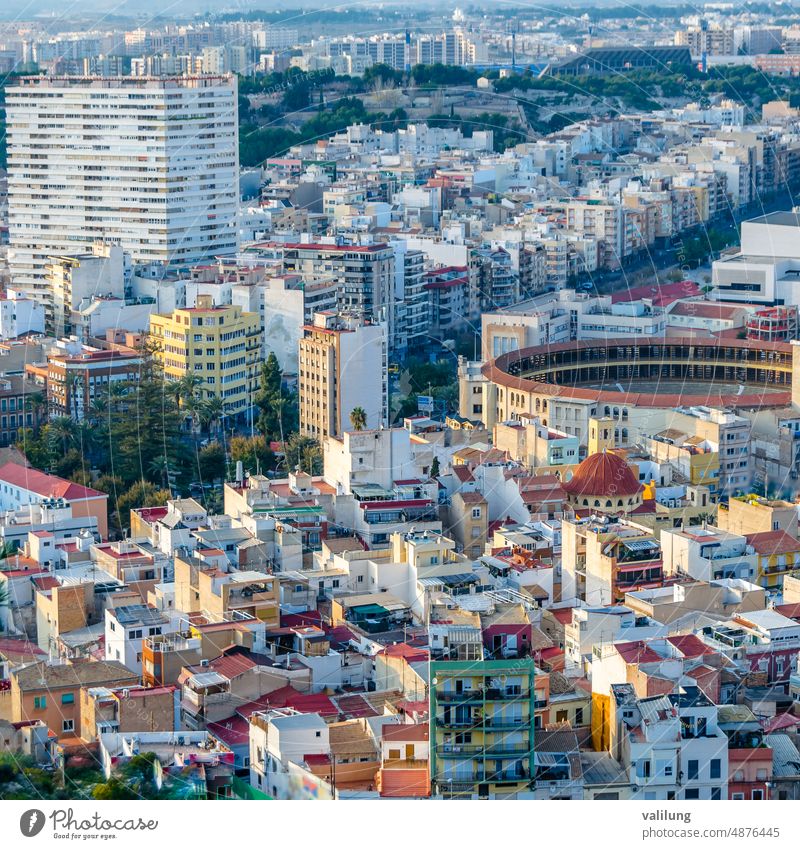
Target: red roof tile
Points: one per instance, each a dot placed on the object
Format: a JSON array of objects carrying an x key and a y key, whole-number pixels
[
  {"x": 232, "y": 665},
  {"x": 408, "y": 731},
  {"x": 768, "y": 543},
  {"x": 637, "y": 652},
  {"x": 604, "y": 474},
  {"x": 410, "y": 653},
  {"x": 289, "y": 697},
  {"x": 48, "y": 486},
  {"x": 662, "y": 294},
  {"x": 689, "y": 645},
  {"x": 355, "y": 706},
  {"x": 234, "y": 731}
]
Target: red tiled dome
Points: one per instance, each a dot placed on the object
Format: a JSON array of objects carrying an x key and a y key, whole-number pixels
[{"x": 603, "y": 474}]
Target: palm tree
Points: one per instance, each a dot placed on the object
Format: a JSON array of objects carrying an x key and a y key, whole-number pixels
[
  {"x": 211, "y": 412},
  {"x": 174, "y": 391},
  {"x": 190, "y": 385},
  {"x": 63, "y": 428},
  {"x": 159, "y": 468},
  {"x": 358, "y": 418},
  {"x": 36, "y": 404},
  {"x": 187, "y": 393},
  {"x": 75, "y": 394}
]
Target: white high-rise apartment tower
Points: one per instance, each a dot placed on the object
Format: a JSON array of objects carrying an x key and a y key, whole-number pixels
[{"x": 151, "y": 164}]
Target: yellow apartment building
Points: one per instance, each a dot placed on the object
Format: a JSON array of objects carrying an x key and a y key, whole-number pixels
[{"x": 222, "y": 345}]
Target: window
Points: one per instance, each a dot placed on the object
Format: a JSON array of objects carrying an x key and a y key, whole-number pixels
[
  {"x": 476, "y": 512},
  {"x": 68, "y": 725},
  {"x": 692, "y": 793},
  {"x": 716, "y": 793},
  {"x": 758, "y": 794},
  {"x": 692, "y": 770},
  {"x": 737, "y": 796},
  {"x": 714, "y": 768},
  {"x": 39, "y": 702},
  {"x": 68, "y": 699}
]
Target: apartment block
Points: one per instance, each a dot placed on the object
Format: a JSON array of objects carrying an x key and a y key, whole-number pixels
[
  {"x": 160, "y": 153},
  {"x": 482, "y": 727},
  {"x": 220, "y": 345},
  {"x": 343, "y": 366}
]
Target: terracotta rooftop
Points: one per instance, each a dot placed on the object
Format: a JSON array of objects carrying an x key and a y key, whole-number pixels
[
  {"x": 48, "y": 486},
  {"x": 603, "y": 474},
  {"x": 768, "y": 543}
]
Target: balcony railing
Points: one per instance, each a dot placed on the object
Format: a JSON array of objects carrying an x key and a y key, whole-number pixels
[
  {"x": 491, "y": 694},
  {"x": 499, "y": 723},
  {"x": 491, "y": 750}
]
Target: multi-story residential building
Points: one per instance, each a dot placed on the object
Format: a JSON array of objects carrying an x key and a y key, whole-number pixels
[
  {"x": 20, "y": 316},
  {"x": 705, "y": 40},
  {"x": 76, "y": 375},
  {"x": 671, "y": 745},
  {"x": 726, "y": 433},
  {"x": 707, "y": 554},
  {"x": 221, "y": 345},
  {"x": 602, "y": 221},
  {"x": 534, "y": 444},
  {"x": 364, "y": 274},
  {"x": 18, "y": 407},
  {"x": 604, "y": 559},
  {"x": 125, "y": 628},
  {"x": 40, "y": 691},
  {"x": 752, "y": 514},
  {"x": 202, "y": 587},
  {"x": 763, "y": 641},
  {"x": 161, "y": 153},
  {"x": 414, "y": 311},
  {"x": 342, "y": 367},
  {"x": 449, "y": 297},
  {"x": 73, "y": 280},
  {"x": 750, "y": 757},
  {"x": 469, "y": 522},
  {"x": 28, "y": 490},
  {"x": 482, "y": 727},
  {"x": 128, "y": 709}
]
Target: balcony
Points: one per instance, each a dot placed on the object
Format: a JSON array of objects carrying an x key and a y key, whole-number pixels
[
  {"x": 465, "y": 697},
  {"x": 500, "y": 723},
  {"x": 490, "y": 750},
  {"x": 490, "y": 694},
  {"x": 504, "y": 776}
]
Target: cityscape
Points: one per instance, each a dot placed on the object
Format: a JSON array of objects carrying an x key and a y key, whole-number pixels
[{"x": 399, "y": 402}]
